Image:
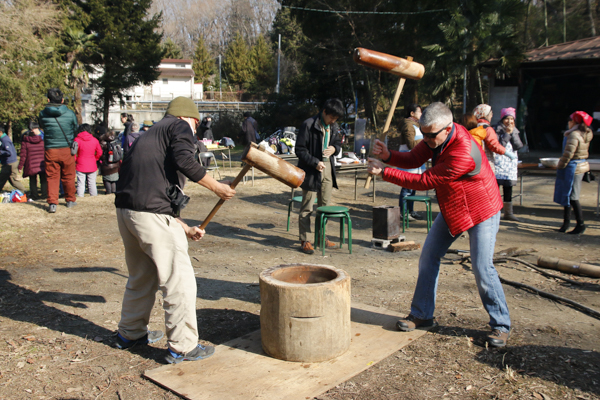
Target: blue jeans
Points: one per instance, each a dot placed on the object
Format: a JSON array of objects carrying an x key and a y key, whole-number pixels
[
  {"x": 482, "y": 238},
  {"x": 409, "y": 204}
]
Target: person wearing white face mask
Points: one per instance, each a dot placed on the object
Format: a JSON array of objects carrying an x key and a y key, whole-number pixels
[
  {"x": 506, "y": 167},
  {"x": 149, "y": 200}
]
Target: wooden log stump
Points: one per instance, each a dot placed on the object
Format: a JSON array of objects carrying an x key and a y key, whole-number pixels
[{"x": 305, "y": 312}]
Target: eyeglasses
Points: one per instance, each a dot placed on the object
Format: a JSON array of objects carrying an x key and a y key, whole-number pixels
[{"x": 434, "y": 134}]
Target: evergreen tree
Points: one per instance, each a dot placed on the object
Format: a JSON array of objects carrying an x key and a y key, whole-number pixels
[
  {"x": 30, "y": 65},
  {"x": 77, "y": 47},
  {"x": 237, "y": 64},
  {"x": 202, "y": 63},
  {"x": 128, "y": 46},
  {"x": 261, "y": 58},
  {"x": 172, "y": 50},
  {"x": 474, "y": 32}
]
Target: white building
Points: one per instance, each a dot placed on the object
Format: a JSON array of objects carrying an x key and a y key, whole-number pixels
[{"x": 176, "y": 79}]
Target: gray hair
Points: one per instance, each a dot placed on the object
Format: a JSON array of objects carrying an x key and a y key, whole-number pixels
[
  {"x": 436, "y": 114},
  {"x": 135, "y": 127}
]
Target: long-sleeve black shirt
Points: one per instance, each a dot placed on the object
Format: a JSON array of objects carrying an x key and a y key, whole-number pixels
[{"x": 160, "y": 158}]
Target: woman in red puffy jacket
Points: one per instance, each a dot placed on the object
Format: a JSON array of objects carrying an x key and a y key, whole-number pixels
[
  {"x": 32, "y": 161},
  {"x": 85, "y": 161}
]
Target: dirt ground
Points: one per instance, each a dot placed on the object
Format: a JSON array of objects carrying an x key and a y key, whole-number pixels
[{"x": 62, "y": 278}]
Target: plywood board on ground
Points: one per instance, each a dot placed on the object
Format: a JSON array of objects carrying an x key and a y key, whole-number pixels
[{"x": 241, "y": 370}]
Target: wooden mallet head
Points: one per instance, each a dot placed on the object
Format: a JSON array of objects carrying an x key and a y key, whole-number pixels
[
  {"x": 273, "y": 166},
  {"x": 388, "y": 63}
]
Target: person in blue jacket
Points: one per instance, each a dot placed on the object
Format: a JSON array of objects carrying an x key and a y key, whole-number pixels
[{"x": 8, "y": 159}]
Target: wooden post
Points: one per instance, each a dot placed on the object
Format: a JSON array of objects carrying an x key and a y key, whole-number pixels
[{"x": 570, "y": 267}]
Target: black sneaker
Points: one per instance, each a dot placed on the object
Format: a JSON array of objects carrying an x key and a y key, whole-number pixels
[
  {"x": 71, "y": 204},
  {"x": 411, "y": 323},
  {"x": 199, "y": 353},
  {"x": 150, "y": 337},
  {"x": 416, "y": 216},
  {"x": 52, "y": 208}
]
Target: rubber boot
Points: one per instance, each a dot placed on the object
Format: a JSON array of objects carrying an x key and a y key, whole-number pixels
[
  {"x": 508, "y": 212},
  {"x": 566, "y": 219},
  {"x": 580, "y": 227}
]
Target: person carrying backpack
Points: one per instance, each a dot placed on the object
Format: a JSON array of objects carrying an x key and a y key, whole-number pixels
[{"x": 109, "y": 163}]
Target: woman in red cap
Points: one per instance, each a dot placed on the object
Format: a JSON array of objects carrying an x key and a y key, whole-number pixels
[{"x": 571, "y": 167}]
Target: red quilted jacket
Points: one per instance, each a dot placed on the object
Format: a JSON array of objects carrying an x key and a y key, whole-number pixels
[{"x": 466, "y": 197}]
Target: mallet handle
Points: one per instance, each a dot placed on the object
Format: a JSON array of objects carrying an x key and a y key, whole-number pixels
[
  {"x": 388, "y": 121},
  {"x": 235, "y": 182}
]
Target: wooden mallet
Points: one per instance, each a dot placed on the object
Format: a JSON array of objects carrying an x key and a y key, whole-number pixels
[
  {"x": 268, "y": 163},
  {"x": 404, "y": 68}
]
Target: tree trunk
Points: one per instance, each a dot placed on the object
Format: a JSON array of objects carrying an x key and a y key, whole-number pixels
[
  {"x": 546, "y": 21},
  {"x": 9, "y": 131},
  {"x": 77, "y": 103},
  {"x": 591, "y": 15},
  {"x": 472, "y": 88},
  {"x": 526, "y": 31},
  {"x": 105, "y": 108},
  {"x": 370, "y": 111}
]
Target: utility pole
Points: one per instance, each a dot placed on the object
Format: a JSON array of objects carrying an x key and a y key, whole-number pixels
[
  {"x": 220, "y": 92},
  {"x": 278, "y": 63}
]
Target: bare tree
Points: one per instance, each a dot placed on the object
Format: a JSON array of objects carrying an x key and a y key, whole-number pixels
[{"x": 216, "y": 21}]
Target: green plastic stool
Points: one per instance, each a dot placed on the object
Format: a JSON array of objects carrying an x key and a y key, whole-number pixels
[
  {"x": 295, "y": 199},
  {"x": 325, "y": 213},
  {"x": 424, "y": 199}
]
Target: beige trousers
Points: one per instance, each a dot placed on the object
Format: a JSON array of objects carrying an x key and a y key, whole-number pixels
[
  {"x": 156, "y": 252},
  {"x": 308, "y": 198}
]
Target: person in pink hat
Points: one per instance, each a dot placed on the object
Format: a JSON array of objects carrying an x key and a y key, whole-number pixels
[
  {"x": 571, "y": 167},
  {"x": 506, "y": 167}
]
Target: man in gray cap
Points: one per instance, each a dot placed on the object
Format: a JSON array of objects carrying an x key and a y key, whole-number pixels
[{"x": 149, "y": 200}]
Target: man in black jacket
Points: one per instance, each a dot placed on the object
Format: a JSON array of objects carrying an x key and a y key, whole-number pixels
[
  {"x": 249, "y": 129},
  {"x": 149, "y": 199},
  {"x": 317, "y": 143}
]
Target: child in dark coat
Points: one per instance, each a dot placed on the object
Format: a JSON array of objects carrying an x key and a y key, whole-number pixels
[
  {"x": 32, "y": 161},
  {"x": 108, "y": 168}
]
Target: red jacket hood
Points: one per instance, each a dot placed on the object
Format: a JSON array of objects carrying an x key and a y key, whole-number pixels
[
  {"x": 32, "y": 138},
  {"x": 85, "y": 136}
]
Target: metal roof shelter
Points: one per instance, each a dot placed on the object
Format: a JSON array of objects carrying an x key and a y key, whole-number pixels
[
  {"x": 583, "y": 49},
  {"x": 554, "y": 82}
]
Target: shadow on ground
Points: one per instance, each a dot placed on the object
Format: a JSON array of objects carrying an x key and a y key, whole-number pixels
[{"x": 564, "y": 366}]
